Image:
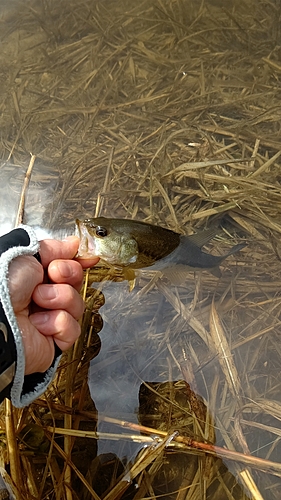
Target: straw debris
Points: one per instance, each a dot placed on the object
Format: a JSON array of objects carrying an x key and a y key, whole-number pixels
[{"x": 167, "y": 111}]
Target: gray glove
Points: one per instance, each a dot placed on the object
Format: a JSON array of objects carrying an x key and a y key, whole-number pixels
[{"x": 21, "y": 389}]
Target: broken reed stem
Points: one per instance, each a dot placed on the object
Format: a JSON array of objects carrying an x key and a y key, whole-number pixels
[
  {"x": 12, "y": 446},
  {"x": 68, "y": 424},
  {"x": 20, "y": 214},
  {"x": 67, "y": 460},
  {"x": 265, "y": 166},
  {"x": 100, "y": 435},
  {"x": 15, "y": 467},
  {"x": 255, "y": 462},
  {"x": 73, "y": 358},
  {"x": 225, "y": 355},
  {"x": 143, "y": 461},
  {"x": 100, "y": 197},
  {"x": 249, "y": 482}
]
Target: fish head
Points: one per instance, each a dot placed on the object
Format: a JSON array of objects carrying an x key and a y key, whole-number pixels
[{"x": 101, "y": 240}]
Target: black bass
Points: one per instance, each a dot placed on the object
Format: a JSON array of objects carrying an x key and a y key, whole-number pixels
[{"x": 125, "y": 242}]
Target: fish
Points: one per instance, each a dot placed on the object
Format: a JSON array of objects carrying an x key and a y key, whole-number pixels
[{"x": 137, "y": 245}]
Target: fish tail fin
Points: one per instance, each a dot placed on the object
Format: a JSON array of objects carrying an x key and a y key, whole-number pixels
[
  {"x": 216, "y": 270},
  {"x": 235, "y": 249}
]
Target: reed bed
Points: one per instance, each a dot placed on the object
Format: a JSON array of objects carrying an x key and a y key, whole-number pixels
[{"x": 167, "y": 112}]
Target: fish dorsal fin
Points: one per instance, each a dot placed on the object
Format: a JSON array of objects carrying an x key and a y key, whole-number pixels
[{"x": 203, "y": 237}]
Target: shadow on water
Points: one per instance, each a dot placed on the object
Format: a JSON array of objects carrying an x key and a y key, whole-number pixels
[{"x": 138, "y": 377}]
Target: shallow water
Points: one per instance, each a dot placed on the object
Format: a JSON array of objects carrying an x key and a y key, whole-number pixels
[{"x": 122, "y": 104}]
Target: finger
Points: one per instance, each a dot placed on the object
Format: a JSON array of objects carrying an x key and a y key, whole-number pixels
[
  {"x": 25, "y": 273},
  {"x": 87, "y": 263},
  {"x": 66, "y": 271},
  {"x": 39, "y": 350},
  {"x": 66, "y": 249},
  {"x": 59, "y": 324},
  {"x": 55, "y": 249},
  {"x": 59, "y": 296}
]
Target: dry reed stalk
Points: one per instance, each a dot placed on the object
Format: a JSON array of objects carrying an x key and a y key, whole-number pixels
[
  {"x": 10, "y": 412},
  {"x": 13, "y": 452},
  {"x": 30, "y": 479},
  {"x": 183, "y": 96},
  {"x": 217, "y": 130},
  {"x": 100, "y": 198},
  {"x": 20, "y": 214},
  {"x": 195, "y": 324},
  {"x": 149, "y": 455},
  {"x": 225, "y": 355},
  {"x": 191, "y": 490},
  {"x": 68, "y": 442},
  {"x": 76, "y": 470},
  {"x": 252, "y": 487},
  {"x": 49, "y": 465},
  {"x": 100, "y": 435},
  {"x": 73, "y": 359},
  {"x": 255, "y": 462}
]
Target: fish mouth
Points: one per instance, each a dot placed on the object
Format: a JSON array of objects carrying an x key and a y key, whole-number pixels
[{"x": 87, "y": 247}]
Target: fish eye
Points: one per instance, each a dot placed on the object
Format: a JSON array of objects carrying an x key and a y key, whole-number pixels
[{"x": 101, "y": 231}]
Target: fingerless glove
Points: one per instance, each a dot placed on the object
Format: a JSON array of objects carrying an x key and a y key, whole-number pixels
[{"x": 21, "y": 389}]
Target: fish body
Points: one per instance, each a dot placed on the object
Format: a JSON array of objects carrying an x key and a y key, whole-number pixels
[{"x": 125, "y": 242}]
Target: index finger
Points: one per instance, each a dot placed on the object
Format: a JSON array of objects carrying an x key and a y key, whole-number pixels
[{"x": 67, "y": 249}]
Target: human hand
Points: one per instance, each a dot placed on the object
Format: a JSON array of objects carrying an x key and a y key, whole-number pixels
[{"x": 47, "y": 312}]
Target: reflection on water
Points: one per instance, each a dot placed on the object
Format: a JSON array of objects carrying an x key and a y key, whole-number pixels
[
  {"x": 39, "y": 196},
  {"x": 155, "y": 363},
  {"x": 134, "y": 349},
  {"x": 166, "y": 111},
  {"x": 139, "y": 376}
]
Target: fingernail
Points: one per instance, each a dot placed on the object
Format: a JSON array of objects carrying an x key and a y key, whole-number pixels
[
  {"x": 65, "y": 269},
  {"x": 38, "y": 319},
  {"x": 47, "y": 292}
]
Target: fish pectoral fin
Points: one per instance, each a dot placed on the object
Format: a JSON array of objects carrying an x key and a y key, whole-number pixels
[
  {"x": 215, "y": 271},
  {"x": 203, "y": 237},
  {"x": 129, "y": 274},
  {"x": 176, "y": 274}
]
